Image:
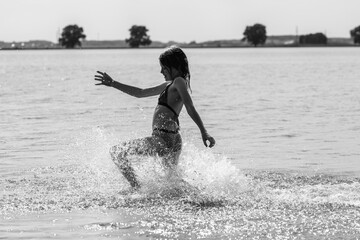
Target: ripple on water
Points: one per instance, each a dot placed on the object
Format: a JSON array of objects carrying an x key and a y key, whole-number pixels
[
  {"x": 270, "y": 205},
  {"x": 208, "y": 197}
]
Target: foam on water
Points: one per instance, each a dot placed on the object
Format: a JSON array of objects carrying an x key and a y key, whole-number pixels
[
  {"x": 207, "y": 196},
  {"x": 342, "y": 193}
]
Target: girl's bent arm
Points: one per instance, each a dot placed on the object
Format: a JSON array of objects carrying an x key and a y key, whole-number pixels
[
  {"x": 186, "y": 98},
  {"x": 180, "y": 85}
]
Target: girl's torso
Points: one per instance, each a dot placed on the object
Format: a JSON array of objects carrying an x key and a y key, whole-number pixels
[{"x": 166, "y": 112}]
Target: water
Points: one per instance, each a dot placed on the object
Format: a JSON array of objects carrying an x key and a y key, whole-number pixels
[{"x": 286, "y": 163}]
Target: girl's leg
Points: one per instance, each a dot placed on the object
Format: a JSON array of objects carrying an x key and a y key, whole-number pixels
[
  {"x": 172, "y": 152},
  {"x": 120, "y": 154}
]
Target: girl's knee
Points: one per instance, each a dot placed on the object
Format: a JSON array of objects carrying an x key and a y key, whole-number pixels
[
  {"x": 113, "y": 152},
  {"x": 117, "y": 151}
]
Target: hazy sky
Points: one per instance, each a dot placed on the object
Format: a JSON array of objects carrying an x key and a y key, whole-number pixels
[{"x": 181, "y": 20}]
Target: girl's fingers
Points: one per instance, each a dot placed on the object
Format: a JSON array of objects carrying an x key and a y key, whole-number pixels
[
  {"x": 98, "y": 76},
  {"x": 100, "y": 72},
  {"x": 212, "y": 142},
  {"x": 99, "y": 84}
]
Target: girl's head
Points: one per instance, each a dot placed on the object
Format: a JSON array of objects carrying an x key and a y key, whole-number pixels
[{"x": 174, "y": 57}]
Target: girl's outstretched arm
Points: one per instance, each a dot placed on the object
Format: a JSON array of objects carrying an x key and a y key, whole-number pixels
[
  {"x": 106, "y": 80},
  {"x": 181, "y": 87}
]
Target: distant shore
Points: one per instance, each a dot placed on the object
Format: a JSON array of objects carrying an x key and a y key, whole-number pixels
[
  {"x": 272, "y": 41},
  {"x": 192, "y": 47}
]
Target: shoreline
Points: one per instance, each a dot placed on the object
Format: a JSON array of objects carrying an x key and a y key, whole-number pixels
[
  {"x": 184, "y": 46},
  {"x": 280, "y": 41}
]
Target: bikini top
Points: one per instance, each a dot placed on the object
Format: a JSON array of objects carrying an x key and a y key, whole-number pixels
[{"x": 163, "y": 101}]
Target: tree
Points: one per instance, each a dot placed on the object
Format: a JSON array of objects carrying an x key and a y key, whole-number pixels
[
  {"x": 313, "y": 38},
  {"x": 355, "y": 34},
  {"x": 255, "y": 34},
  {"x": 71, "y": 35},
  {"x": 138, "y": 36}
]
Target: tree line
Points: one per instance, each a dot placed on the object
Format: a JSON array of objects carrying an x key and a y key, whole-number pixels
[
  {"x": 256, "y": 35},
  {"x": 72, "y": 36}
]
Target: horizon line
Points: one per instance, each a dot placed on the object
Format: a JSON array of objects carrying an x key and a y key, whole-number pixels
[{"x": 282, "y": 35}]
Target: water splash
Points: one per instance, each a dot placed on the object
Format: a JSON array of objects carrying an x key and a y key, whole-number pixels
[
  {"x": 206, "y": 197},
  {"x": 88, "y": 178}
]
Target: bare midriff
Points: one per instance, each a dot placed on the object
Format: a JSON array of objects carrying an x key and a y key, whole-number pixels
[{"x": 164, "y": 118}]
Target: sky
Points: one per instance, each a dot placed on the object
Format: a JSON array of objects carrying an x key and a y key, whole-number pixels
[{"x": 170, "y": 20}]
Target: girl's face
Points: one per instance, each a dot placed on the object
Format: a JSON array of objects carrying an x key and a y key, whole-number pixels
[{"x": 166, "y": 72}]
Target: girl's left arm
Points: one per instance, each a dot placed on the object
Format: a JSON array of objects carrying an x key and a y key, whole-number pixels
[{"x": 181, "y": 87}]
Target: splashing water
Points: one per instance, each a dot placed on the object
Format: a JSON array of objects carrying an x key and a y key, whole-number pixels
[
  {"x": 88, "y": 170},
  {"x": 206, "y": 197}
]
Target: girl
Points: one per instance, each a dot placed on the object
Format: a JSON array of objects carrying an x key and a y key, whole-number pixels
[{"x": 166, "y": 139}]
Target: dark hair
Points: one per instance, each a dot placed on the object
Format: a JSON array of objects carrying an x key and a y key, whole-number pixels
[{"x": 173, "y": 56}]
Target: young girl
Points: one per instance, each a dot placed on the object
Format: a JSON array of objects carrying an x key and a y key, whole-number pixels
[{"x": 166, "y": 139}]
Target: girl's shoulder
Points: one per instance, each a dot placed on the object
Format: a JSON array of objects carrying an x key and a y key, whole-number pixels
[
  {"x": 179, "y": 81},
  {"x": 181, "y": 84}
]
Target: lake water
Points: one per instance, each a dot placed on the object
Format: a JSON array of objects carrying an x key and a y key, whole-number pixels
[{"x": 286, "y": 164}]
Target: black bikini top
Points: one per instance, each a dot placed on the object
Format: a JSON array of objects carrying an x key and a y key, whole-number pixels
[{"x": 163, "y": 101}]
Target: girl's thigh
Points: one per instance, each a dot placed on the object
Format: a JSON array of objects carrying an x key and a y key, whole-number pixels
[{"x": 149, "y": 146}]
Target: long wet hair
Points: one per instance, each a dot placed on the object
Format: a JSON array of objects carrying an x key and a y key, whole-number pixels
[{"x": 173, "y": 56}]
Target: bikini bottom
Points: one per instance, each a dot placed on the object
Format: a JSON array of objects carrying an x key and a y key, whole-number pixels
[{"x": 171, "y": 140}]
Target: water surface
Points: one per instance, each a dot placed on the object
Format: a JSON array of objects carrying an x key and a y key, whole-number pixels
[{"x": 286, "y": 163}]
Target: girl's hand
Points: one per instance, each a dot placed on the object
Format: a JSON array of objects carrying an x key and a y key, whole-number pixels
[
  {"x": 206, "y": 137},
  {"x": 104, "y": 79}
]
